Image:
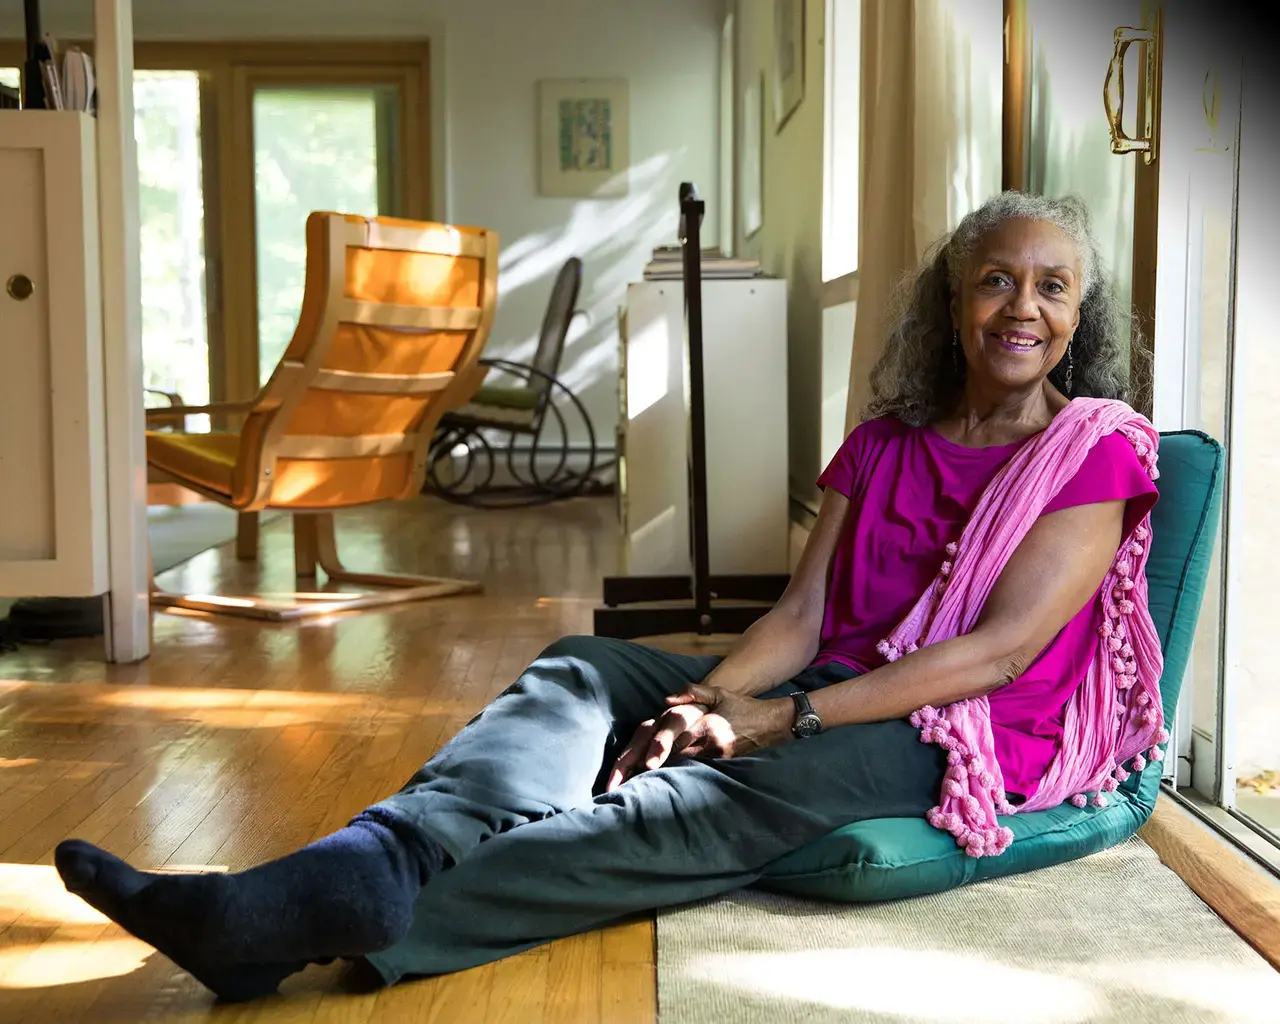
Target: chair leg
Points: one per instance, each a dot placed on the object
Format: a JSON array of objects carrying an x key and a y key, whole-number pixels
[
  {"x": 404, "y": 587},
  {"x": 247, "y": 536},
  {"x": 305, "y": 546},
  {"x": 315, "y": 544}
]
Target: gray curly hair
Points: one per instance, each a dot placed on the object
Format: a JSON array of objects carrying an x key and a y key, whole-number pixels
[{"x": 919, "y": 380}]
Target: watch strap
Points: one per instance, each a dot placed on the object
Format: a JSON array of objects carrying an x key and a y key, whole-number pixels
[{"x": 801, "y": 701}]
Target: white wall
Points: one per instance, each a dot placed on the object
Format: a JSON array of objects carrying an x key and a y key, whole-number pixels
[{"x": 487, "y": 56}]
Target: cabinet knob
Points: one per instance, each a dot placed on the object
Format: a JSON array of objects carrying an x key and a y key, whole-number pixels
[{"x": 20, "y": 287}]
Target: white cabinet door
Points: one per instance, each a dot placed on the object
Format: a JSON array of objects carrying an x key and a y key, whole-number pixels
[
  {"x": 656, "y": 428},
  {"x": 745, "y": 403},
  {"x": 745, "y": 367},
  {"x": 52, "y": 449},
  {"x": 27, "y": 529}
]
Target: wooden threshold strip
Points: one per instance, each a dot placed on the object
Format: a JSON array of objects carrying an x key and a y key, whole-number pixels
[{"x": 1235, "y": 888}]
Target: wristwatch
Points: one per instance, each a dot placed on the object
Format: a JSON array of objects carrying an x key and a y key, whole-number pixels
[{"x": 807, "y": 722}]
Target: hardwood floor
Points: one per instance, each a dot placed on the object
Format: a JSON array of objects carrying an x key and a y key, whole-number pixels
[{"x": 240, "y": 741}]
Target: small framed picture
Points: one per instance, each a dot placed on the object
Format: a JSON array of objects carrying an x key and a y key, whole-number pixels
[
  {"x": 788, "y": 59},
  {"x": 584, "y": 137}
]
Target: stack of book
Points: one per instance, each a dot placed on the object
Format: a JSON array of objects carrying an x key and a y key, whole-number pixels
[{"x": 668, "y": 265}]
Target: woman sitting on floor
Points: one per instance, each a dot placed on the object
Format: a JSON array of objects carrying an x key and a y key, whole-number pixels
[{"x": 966, "y": 634}]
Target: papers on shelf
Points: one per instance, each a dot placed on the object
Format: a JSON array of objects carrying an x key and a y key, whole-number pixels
[
  {"x": 79, "y": 88},
  {"x": 668, "y": 265}
]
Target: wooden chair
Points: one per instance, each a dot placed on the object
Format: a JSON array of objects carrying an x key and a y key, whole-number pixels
[{"x": 394, "y": 316}]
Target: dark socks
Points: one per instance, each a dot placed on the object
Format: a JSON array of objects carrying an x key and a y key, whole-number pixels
[{"x": 346, "y": 895}]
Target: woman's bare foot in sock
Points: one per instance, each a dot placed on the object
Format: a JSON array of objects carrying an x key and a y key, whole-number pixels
[
  {"x": 346, "y": 895},
  {"x": 143, "y": 904}
]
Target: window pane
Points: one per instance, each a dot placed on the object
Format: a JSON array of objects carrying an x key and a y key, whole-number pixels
[
  {"x": 314, "y": 149},
  {"x": 1210, "y": 245},
  {"x": 1253, "y": 479},
  {"x": 10, "y": 77},
  {"x": 175, "y": 343},
  {"x": 727, "y": 96},
  {"x": 841, "y": 143}
]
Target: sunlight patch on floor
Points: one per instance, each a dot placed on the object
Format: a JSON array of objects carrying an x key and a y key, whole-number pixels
[
  {"x": 59, "y": 962},
  {"x": 34, "y": 895},
  {"x": 951, "y": 988},
  {"x": 920, "y": 986},
  {"x": 1223, "y": 991}
]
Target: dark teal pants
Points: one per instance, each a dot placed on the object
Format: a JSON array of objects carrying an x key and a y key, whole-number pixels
[{"x": 539, "y": 851}]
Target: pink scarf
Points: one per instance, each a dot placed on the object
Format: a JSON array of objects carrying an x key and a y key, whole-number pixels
[{"x": 1115, "y": 714}]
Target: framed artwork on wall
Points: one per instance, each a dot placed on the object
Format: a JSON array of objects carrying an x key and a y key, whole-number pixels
[
  {"x": 584, "y": 137},
  {"x": 751, "y": 173},
  {"x": 788, "y": 59}
]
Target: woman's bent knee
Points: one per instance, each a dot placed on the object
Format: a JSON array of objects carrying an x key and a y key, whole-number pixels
[{"x": 584, "y": 648}]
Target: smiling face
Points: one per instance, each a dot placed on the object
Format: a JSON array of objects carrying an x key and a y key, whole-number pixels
[{"x": 1017, "y": 304}]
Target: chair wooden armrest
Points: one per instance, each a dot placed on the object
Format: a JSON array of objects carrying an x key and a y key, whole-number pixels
[
  {"x": 472, "y": 378},
  {"x": 173, "y": 397},
  {"x": 173, "y": 412}
]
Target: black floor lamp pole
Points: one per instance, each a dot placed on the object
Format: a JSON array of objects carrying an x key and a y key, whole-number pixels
[
  {"x": 689, "y": 604},
  {"x": 32, "y": 78}
]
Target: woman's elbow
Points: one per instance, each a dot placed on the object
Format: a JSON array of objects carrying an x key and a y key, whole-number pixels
[
  {"x": 1007, "y": 668},
  {"x": 797, "y": 623}
]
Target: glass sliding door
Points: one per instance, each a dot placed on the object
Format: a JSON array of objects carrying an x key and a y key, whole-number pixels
[
  {"x": 314, "y": 148},
  {"x": 1248, "y": 705},
  {"x": 341, "y": 137}
]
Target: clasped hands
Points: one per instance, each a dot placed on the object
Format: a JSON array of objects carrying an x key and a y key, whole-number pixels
[{"x": 704, "y": 721}]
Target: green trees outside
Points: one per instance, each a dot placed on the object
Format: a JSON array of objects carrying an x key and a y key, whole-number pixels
[{"x": 314, "y": 149}]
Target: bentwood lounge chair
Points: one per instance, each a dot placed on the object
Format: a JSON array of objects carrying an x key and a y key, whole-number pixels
[{"x": 394, "y": 316}]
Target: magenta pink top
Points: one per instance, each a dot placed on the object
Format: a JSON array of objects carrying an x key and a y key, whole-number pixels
[{"x": 911, "y": 493}]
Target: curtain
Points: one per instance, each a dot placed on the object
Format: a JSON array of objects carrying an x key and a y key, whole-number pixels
[{"x": 931, "y": 146}]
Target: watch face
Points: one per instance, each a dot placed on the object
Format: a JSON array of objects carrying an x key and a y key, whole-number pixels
[{"x": 807, "y": 725}]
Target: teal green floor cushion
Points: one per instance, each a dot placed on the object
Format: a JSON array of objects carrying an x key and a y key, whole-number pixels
[{"x": 892, "y": 858}]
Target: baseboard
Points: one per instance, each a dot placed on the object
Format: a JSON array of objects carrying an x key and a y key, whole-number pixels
[{"x": 1234, "y": 887}]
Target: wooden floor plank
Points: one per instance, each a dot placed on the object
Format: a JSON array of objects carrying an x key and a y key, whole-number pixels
[
  {"x": 518, "y": 990},
  {"x": 460, "y": 998},
  {"x": 573, "y": 985},
  {"x": 629, "y": 943},
  {"x": 628, "y": 993}
]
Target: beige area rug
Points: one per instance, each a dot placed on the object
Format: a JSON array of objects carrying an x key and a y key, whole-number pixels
[{"x": 1116, "y": 937}]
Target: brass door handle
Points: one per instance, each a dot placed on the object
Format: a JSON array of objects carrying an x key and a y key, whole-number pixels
[
  {"x": 1113, "y": 91},
  {"x": 20, "y": 287}
]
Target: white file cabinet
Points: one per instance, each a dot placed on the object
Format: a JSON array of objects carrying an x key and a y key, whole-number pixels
[
  {"x": 745, "y": 399},
  {"x": 53, "y": 509}
]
